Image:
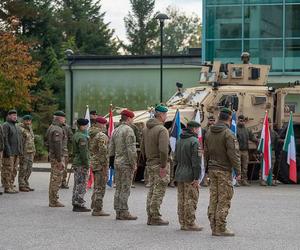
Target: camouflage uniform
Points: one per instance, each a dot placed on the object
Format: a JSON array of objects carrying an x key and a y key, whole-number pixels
[
  {"x": 222, "y": 155},
  {"x": 54, "y": 141},
  {"x": 99, "y": 161},
  {"x": 81, "y": 167},
  {"x": 1, "y": 149},
  {"x": 123, "y": 147},
  {"x": 67, "y": 140},
  {"x": 26, "y": 160}
]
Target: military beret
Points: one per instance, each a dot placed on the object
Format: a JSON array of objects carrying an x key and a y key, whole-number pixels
[
  {"x": 193, "y": 124},
  {"x": 127, "y": 113},
  {"x": 59, "y": 113},
  {"x": 82, "y": 122},
  {"x": 93, "y": 112},
  {"x": 226, "y": 111},
  {"x": 161, "y": 108},
  {"x": 27, "y": 118},
  {"x": 101, "y": 120},
  {"x": 245, "y": 54},
  {"x": 211, "y": 117},
  {"x": 12, "y": 111},
  {"x": 241, "y": 117}
]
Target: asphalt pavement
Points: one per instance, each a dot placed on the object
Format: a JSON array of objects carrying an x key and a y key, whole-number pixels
[{"x": 261, "y": 217}]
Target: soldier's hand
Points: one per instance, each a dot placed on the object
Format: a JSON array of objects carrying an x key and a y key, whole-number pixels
[
  {"x": 238, "y": 177},
  {"x": 162, "y": 172},
  {"x": 196, "y": 184},
  {"x": 60, "y": 165}
]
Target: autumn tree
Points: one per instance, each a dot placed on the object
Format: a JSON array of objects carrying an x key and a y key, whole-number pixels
[{"x": 18, "y": 73}]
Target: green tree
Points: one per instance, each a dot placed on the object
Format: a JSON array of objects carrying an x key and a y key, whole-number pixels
[{"x": 141, "y": 27}]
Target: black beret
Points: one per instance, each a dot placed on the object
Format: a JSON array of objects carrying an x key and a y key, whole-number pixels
[
  {"x": 27, "y": 118},
  {"x": 193, "y": 124},
  {"x": 12, "y": 111},
  {"x": 82, "y": 122},
  {"x": 59, "y": 113},
  {"x": 93, "y": 112}
]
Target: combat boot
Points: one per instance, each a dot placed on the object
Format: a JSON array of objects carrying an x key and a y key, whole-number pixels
[
  {"x": 193, "y": 227},
  {"x": 30, "y": 189},
  {"x": 226, "y": 233},
  {"x": 10, "y": 191},
  {"x": 23, "y": 189},
  {"x": 80, "y": 209},
  {"x": 172, "y": 184},
  {"x": 149, "y": 220},
  {"x": 158, "y": 222},
  {"x": 118, "y": 215},
  {"x": 126, "y": 216},
  {"x": 245, "y": 183},
  {"x": 56, "y": 204},
  {"x": 263, "y": 183},
  {"x": 99, "y": 213},
  {"x": 64, "y": 186}
]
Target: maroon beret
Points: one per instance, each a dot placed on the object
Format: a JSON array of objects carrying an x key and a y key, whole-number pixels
[
  {"x": 127, "y": 113},
  {"x": 101, "y": 120}
]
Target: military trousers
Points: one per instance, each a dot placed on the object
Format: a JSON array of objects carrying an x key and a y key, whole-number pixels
[
  {"x": 80, "y": 182},
  {"x": 25, "y": 170},
  {"x": 65, "y": 172},
  {"x": 187, "y": 199},
  {"x": 1, "y": 159},
  {"x": 221, "y": 193},
  {"x": 55, "y": 180},
  {"x": 244, "y": 155},
  {"x": 123, "y": 181},
  {"x": 9, "y": 171},
  {"x": 157, "y": 190},
  {"x": 100, "y": 178}
]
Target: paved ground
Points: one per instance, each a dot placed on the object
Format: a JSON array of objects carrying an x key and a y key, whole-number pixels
[{"x": 262, "y": 217}]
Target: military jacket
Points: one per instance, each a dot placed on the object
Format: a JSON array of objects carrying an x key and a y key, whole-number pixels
[
  {"x": 67, "y": 138},
  {"x": 54, "y": 141},
  {"x": 12, "y": 139},
  {"x": 80, "y": 149},
  {"x": 98, "y": 145},
  {"x": 28, "y": 139}
]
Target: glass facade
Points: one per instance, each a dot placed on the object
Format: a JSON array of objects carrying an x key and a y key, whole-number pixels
[{"x": 268, "y": 29}]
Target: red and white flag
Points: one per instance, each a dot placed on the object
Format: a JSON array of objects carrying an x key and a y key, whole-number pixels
[
  {"x": 110, "y": 123},
  {"x": 200, "y": 139}
]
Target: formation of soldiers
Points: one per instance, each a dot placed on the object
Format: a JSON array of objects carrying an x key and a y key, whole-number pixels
[{"x": 92, "y": 148}]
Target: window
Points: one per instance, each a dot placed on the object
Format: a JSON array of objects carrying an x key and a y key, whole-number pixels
[
  {"x": 223, "y": 2},
  {"x": 229, "y": 101},
  {"x": 292, "y": 21},
  {"x": 226, "y": 51},
  {"x": 292, "y": 55}
]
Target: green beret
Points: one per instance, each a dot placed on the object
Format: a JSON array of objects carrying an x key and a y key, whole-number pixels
[
  {"x": 193, "y": 124},
  {"x": 12, "y": 111},
  {"x": 226, "y": 111},
  {"x": 27, "y": 118},
  {"x": 59, "y": 113},
  {"x": 161, "y": 108}
]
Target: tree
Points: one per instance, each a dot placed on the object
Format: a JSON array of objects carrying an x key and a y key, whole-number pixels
[
  {"x": 181, "y": 32},
  {"x": 18, "y": 72},
  {"x": 141, "y": 27}
]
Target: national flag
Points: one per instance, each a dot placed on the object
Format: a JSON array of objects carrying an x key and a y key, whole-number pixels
[
  {"x": 87, "y": 115},
  {"x": 265, "y": 148},
  {"x": 175, "y": 131},
  {"x": 110, "y": 123},
  {"x": 290, "y": 147},
  {"x": 200, "y": 139},
  {"x": 91, "y": 175},
  {"x": 111, "y": 174},
  {"x": 234, "y": 131}
]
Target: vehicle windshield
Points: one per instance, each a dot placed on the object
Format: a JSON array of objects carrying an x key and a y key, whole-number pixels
[{"x": 188, "y": 97}]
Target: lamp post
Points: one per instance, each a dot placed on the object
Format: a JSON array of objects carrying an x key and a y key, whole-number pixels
[
  {"x": 161, "y": 17},
  {"x": 70, "y": 54}
]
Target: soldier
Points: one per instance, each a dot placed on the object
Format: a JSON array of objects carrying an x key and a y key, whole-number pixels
[
  {"x": 188, "y": 170},
  {"x": 1, "y": 151},
  {"x": 80, "y": 165},
  {"x": 54, "y": 141},
  {"x": 66, "y": 142},
  {"x": 243, "y": 136},
  {"x": 245, "y": 57},
  {"x": 222, "y": 154},
  {"x": 99, "y": 161},
  {"x": 12, "y": 151},
  {"x": 93, "y": 117},
  {"x": 26, "y": 160},
  {"x": 123, "y": 146},
  {"x": 155, "y": 147}
]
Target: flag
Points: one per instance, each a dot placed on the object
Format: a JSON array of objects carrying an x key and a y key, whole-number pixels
[
  {"x": 290, "y": 147},
  {"x": 265, "y": 148},
  {"x": 200, "y": 139},
  {"x": 111, "y": 174},
  {"x": 110, "y": 123},
  {"x": 87, "y": 115},
  {"x": 233, "y": 124},
  {"x": 175, "y": 131}
]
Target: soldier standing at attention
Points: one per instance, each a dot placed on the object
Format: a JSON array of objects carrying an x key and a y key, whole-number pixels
[
  {"x": 1, "y": 151},
  {"x": 54, "y": 141},
  {"x": 26, "y": 160},
  {"x": 187, "y": 159},
  {"x": 222, "y": 154},
  {"x": 12, "y": 151},
  {"x": 99, "y": 161},
  {"x": 123, "y": 147},
  {"x": 155, "y": 146},
  {"x": 80, "y": 165},
  {"x": 67, "y": 141},
  {"x": 243, "y": 136}
]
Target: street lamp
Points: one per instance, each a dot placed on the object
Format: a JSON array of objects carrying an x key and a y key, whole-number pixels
[{"x": 161, "y": 17}]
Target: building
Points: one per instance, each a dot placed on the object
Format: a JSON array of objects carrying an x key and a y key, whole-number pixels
[{"x": 268, "y": 29}]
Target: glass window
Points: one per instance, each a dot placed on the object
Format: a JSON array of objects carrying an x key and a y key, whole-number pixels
[
  {"x": 226, "y": 51},
  {"x": 292, "y": 55},
  {"x": 224, "y": 22},
  {"x": 263, "y": 21},
  {"x": 262, "y": 1},
  {"x": 223, "y": 2},
  {"x": 292, "y": 1},
  {"x": 292, "y": 21},
  {"x": 268, "y": 52}
]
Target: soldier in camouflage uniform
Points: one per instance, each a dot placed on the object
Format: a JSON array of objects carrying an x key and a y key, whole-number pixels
[
  {"x": 99, "y": 161},
  {"x": 54, "y": 141},
  {"x": 188, "y": 170},
  {"x": 155, "y": 146},
  {"x": 67, "y": 141},
  {"x": 221, "y": 150},
  {"x": 26, "y": 160},
  {"x": 80, "y": 165},
  {"x": 1, "y": 151},
  {"x": 123, "y": 146}
]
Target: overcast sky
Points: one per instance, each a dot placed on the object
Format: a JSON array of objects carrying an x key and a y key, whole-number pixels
[{"x": 116, "y": 10}]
